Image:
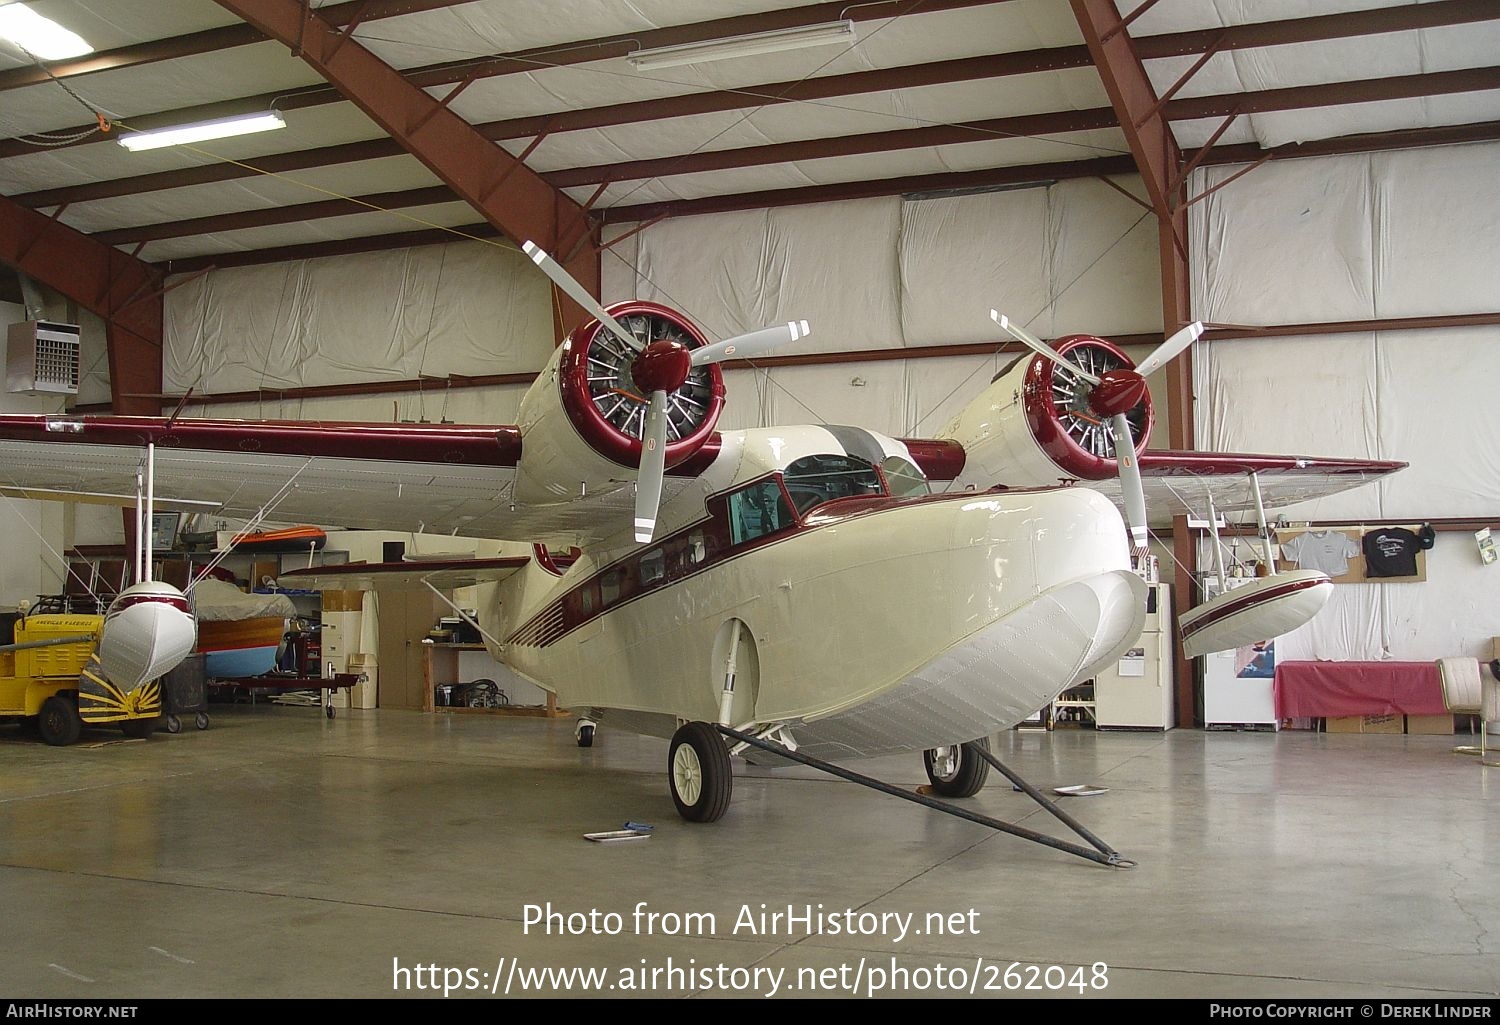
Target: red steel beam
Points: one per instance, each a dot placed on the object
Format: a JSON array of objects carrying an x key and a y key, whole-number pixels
[
  {"x": 1369, "y": 90},
  {"x": 991, "y": 130},
  {"x": 1144, "y": 122},
  {"x": 329, "y": 247},
  {"x": 206, "y": 41},
  {"x": 1017, "y": 174},
  {"x": 1247, "y": 153},
  {"x": 299, "y": 212},
  {"x": 870, "y": 142},
  {"x": 964, "y": 69},
  {"x": 371, "y": 203},
  {"x": 1134, "y": 100},
  {"x": 1337, "y": 26},
  {"x": 993, "y": 177},
  {"x": 1370, "y": 142},
  {"x": 123, "y": 291},
  {"x": 508, "y": 194},
  {"x": 559, "y": 54},
  {"x": 1379, "y": 21}
]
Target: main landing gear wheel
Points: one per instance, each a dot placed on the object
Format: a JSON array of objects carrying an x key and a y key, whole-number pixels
[
  {"x": 138, "y": 729},
  {"x": 957, "y": 771},
  {"x": 698, "y": 769},
  {"x": 59, "y": 722}
]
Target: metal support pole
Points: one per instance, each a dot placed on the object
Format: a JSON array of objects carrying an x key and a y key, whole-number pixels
[
  {"x": 1267, "y": 546},
  {"x": 1048, "y": 804},
  {"x": 1102, "y": 856},
  {"x": 148, "y": 571},
  {"x": 1213, "y": 531}
]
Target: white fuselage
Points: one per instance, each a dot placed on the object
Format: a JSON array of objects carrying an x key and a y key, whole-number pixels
[{"x": 873, "y": 625}]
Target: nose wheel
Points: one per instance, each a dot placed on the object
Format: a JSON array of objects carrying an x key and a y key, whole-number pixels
[
  {"x": 584, "y": 732},
  {"x": 958, "y": 770}
]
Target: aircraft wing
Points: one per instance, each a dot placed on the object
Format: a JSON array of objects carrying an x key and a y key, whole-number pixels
[
  {"x": 441, "y": 478},
  {"x": 1178, "y": 483},
  {"x": 362, "y": 576}
]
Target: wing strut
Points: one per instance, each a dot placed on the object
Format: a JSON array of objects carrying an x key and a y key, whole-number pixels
[
  {"x": 1267, "y": 546},
  {"x": 1213, "y": 530}
]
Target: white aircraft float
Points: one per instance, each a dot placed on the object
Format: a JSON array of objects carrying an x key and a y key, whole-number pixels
[{"x": 817, "y": 593}]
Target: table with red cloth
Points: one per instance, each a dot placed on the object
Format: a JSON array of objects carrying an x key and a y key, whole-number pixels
[{"x": 1324, "y": 689}]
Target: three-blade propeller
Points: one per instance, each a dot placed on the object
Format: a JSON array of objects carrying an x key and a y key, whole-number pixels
[
  {"x": 1114, "y": 395},
  {"x": 660, "y": 368}
]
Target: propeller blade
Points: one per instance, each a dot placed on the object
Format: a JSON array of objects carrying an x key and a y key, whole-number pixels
[
  {"x": 1131, "y": 487},
  {"x": 753, "y": 344},
  {"x": 1030, "y": 340},
  {"x": 565, "y": 281},
  {"x": 653, "y": 467},
  {"x": 1171, "y": 347}
]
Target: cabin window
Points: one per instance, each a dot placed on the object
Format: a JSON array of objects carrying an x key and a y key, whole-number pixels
[
  {"x": 609, "y": 587},
  {"x": 756, "y": 511},
  {"x": 903, "y": 479},
  {"x": 586, "y": 599},
  {"x": 653, "y": 567},
  {"x": 813, "y": 480},
  {"x": 697, "y": 549}
]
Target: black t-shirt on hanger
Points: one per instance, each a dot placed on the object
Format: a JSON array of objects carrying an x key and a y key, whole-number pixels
[{"x": 1392, "y": 551}]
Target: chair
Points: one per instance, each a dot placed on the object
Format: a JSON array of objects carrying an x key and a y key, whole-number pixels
[{"x": 1466, "y": 692}]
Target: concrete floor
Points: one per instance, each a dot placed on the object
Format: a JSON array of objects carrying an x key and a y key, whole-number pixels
[{"x": 280, "y": 854}]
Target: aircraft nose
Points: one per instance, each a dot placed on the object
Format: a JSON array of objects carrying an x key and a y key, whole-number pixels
[{"x": 1062, "y": 533}]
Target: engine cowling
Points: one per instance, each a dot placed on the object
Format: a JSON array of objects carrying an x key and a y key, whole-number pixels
[
  {"x": 583, "y": 418},
  {"x": 1039, "y": 424}
]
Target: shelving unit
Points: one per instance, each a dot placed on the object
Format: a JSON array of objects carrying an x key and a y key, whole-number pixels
[
  {"x": 440, "y": 666},
  {"x": 1081, "y": 698}
]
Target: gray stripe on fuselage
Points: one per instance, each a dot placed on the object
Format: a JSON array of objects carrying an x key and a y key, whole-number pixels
[{"x": 858, "y": 442}]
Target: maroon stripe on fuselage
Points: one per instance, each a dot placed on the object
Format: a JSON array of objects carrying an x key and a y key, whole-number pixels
[
  {"x": 1247, "y": 602},
  {"x": 584, "y": 601},
  {"x": 417, "y": 443}
]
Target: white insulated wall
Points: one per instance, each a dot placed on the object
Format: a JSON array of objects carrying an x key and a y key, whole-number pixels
[{"x": 1374, "y": 236}]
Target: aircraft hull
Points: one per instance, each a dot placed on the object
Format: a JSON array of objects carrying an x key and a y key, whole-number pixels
[{"x": 921, "y": 624}]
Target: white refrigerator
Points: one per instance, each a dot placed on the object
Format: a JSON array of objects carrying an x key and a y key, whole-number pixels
[
  {"x": 1135, "y": 692},
  {"x": 1239, "y": 684}
]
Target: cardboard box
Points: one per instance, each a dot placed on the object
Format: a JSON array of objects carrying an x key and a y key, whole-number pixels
[
  {"x": 1364, "y": 724},
  {"x": 1430, "y": 725}
]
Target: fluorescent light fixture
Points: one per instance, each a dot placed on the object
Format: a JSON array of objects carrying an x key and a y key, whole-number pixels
[
  {"x": 220, "y": 128},
  {"x": 744, "y": 46},
  {"x": 39, "y": 36}
]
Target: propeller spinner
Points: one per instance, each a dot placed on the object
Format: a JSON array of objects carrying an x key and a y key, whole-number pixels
[
  {"x": 660, "y": 367},
  {"x": 1114, "y": 393}
]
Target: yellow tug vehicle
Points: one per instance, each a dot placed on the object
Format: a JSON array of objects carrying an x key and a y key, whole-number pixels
[{"x": 50, "y": 673}]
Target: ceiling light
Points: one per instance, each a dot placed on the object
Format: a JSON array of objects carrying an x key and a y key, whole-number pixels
[
  {"x": 220, "y": 128},
  {"x": 744, "y": 46},
  {"x": 41, "y": 37}
]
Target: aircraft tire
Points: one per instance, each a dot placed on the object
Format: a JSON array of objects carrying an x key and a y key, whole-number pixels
[
  {"x": 585, "y": 736},
  {"x": 699, "y": 773},
  {"x": 58, "y": 721},
  {"x": 966, "y": 778}
]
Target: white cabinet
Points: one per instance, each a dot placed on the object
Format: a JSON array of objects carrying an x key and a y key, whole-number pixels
[
  {"x": 1136, "y": 691},
  {"x": 1239, "y": 684}
]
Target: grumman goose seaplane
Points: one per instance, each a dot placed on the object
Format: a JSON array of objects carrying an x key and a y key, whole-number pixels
[{"x": 826, "y": 590}]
